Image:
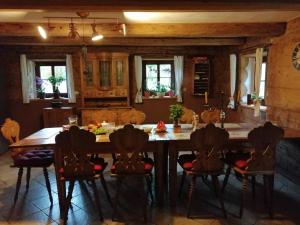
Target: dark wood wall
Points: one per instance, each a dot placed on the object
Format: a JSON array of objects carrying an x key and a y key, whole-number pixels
[{"x": 30, "y": 115}]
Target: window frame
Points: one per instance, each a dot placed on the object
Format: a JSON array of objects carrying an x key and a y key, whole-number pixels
[
  {"x": 157, "y": 62},
  {"x": 52, "y": 64}
]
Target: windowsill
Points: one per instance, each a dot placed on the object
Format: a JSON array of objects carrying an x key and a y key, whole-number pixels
[
  {"x": 48, "y": 99},
  {"x": 261, "y": 108},
  {"x": 159, "y": 98}
]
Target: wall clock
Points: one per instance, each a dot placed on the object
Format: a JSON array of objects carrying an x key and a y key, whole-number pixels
[{"x": 296, "y": 57}]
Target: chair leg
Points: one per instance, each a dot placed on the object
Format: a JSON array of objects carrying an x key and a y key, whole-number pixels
[
  {"x": 182, "y": 183},
  {"x": 145, "y": 195},
  {"x": 103, "y": 181},
  {"x": 226, "y": 178},
  {"x": 149, "y": 187},
  {"x": 243, "y": 193},
  {"x": 191, "y": 192},
  {"x": 269, "y": 179},
  {"x": 48, "y": 184},
  {"x": 68, "y": 201},
  {"x": 97, "y": 200},
  {"x": 28, "y": 178},
  {"x": 219, "y": 194},
  {"x": 253, "y": 181},
  {"x": 119, "y": 183},
  {"x": 20, "y": 173}
]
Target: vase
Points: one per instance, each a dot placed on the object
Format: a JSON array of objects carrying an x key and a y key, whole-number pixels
[
  {"x": 176, "y": 123},
  {"x": 56, "y": 94}
]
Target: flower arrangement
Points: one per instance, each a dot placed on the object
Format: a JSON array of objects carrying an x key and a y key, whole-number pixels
[
  {"x": 55, "y": 81},
  {"x": 39, "y": 89}
]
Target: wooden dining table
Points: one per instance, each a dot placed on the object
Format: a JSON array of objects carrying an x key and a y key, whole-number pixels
[{"x": 164, "y": 145}]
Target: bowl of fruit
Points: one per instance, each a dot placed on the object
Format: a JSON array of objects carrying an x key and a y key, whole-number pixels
[
  {"x": 160, "y": 127},
  {"x": 97, "y": 129}
]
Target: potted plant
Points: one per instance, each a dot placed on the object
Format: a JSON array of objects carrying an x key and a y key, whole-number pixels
[
  {"x": 147, "y": 93},
  {"x": 161, "y": 90},
  {"x": 55, "y": 81},
  {"x": 40, "y": 93},
  {"x": 176, "y": 111}
]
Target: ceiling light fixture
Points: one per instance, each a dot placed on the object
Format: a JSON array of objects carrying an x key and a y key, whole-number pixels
[
  {"x": 73, "y": 34},
  {"x": 42, "y": 32},
  {"x": 96, "y": 36},
  {"x": 124, "y": 29}
]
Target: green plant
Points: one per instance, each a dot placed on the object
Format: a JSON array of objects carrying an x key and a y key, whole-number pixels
[
  {"x": 161, "y": 88},
  {"x": 255, "y": 97},
  {"x": 40, "y": 90},
  {"x": 176, "y": 111},
  {"x": 55, "y": 81}
]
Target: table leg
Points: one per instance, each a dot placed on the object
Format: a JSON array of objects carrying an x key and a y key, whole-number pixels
[
  {"x": 159, "y": 173},
  {"x": 173, "y": 174}
]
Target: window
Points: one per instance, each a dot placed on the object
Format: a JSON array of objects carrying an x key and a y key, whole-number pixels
[
  {"x": 44, "y": 70},
  {"x": 158, "y": 72},
  {"x": 263, "y": 80}
]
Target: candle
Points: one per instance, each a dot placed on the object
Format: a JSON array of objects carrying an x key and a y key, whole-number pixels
[{"x": 205, "y": 98}]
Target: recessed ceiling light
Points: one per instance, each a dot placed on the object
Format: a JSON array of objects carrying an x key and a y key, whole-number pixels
[
  {"x": 42, "y": 32},
  {"x": 141, "y": 16}
]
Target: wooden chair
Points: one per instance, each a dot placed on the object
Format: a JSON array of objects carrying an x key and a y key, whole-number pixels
[
  {"x": 208, "y": 143},
  {"x": 132, "y": 116},
  {"x": 72, "y": 163},
  {"x": 260, "y": 161},
  {"x": 129, "y": 142},
  {"x": 210, "y": 116},
  {"x": 188, "y": 115},
  {"x": 29, "y": 158}
]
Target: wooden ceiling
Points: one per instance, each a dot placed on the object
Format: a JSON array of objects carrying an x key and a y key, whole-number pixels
[{"x": 172, "y": 34}]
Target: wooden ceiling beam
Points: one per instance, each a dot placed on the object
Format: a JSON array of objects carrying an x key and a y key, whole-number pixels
[
  {"x": 123, "y": 41},
  {"x": 119, "y": 5},
  {"x": 154, "y": 30}
]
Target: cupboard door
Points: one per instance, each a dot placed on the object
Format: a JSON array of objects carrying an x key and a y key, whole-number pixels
[
  {"x": 104, "y": 74},
  {"x": 88, "y": 74},
  {"x": 119, "y": 68}
]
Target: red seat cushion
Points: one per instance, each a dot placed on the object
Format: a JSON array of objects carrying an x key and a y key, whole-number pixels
[
  {"x": 241, "y": 164},
  {"x": 185, "y": 161},
  {"x": 187, "y": 165}
]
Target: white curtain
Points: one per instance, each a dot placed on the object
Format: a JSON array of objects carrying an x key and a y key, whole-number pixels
[
  {"x": 232, "y": 80},
  {"x": 70, "y": 80},
  {"x": 178, "y": 67},
  {"x": 28, "y": 78},
  {"x": 31, "y": 79},
  {"x": 258, "y": 65},
  {"x": 247, "y": 75},
  {"x": 138, "y": 78}
]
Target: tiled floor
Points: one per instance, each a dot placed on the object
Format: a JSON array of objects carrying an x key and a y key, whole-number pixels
[{"x": 34, "y": 207}]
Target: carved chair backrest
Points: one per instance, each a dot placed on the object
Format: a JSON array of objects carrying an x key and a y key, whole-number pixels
[
  {"x": 188, "y": 115},
  {"x": 129, "y": 142},
  {"x": 132, "y": 117},
  {"x": 71, "y": 152},
  {"x": 210, "y": 116},
  {"x": 264, "y": 140},
  {"x": 208, "y": 143},
  {"x": 10, "y": 130}
]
